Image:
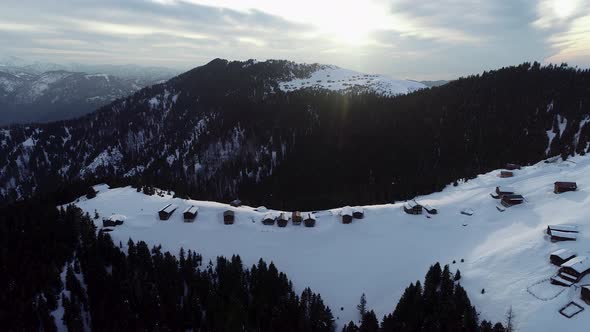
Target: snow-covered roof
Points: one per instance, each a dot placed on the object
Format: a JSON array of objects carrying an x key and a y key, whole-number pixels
[
  {"x": 564, "y": 228},
  {"x": 428, "y": 207},
  {"x": 358, "y": 209},
  {"x": 563, "y": 253},
  {"x": 411, "y": 204},
  {"x": 310, "y": 216},
  {"x": 283, "y": 216},
  {"x": 513, "y": 197},
  {"x": 564, "y": 235},
  {"x": 191, "y": 209},
  {"x": 269, "y": 216},
  {"x": 117, "y": 217},
  {"x": 505, "y": 189},
  {"x": 579, "y": 264},
  {"x": 169, "y": 208},
  {"x": 346, "y": 211}
]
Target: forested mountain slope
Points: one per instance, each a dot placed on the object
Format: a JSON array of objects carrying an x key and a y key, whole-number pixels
[{"x": 227, "y": 130}]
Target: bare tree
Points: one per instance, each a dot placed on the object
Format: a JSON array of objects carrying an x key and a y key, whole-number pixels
[{"x": 510, "y": 318}]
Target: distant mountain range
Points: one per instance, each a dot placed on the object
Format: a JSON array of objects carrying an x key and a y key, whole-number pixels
[{"x": 42, "y": 92}]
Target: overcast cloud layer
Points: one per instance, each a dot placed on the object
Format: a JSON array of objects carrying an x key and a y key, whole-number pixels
[{"x": 402, "y": 38}]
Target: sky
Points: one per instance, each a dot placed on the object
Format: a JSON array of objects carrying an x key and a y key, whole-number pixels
[{"x": 441, "y": 39}]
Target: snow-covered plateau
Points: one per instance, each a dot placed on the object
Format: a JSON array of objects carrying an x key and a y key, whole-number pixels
[
  {"x": 339, "y": 79},
  {"x": 505, "y": 253}
]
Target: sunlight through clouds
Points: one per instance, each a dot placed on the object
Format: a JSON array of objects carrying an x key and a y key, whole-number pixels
[{"x": 569, "y": 23}]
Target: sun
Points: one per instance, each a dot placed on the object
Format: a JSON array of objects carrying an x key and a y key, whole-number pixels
[
  {"x": 350, "y": 23},
  {"x": 564, "y": 8}
]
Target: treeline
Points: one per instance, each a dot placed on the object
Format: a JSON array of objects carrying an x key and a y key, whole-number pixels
[
  {"x": 106, "y": 289},
  {"x": 440, "y": 304}
]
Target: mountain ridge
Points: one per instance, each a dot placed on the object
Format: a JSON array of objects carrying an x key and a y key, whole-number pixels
[{"x": 227, "y": 130}]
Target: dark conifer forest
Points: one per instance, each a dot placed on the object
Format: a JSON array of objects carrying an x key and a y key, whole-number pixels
[{"x": 225, "y": 130}]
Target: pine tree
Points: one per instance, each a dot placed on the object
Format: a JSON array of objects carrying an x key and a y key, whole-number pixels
[{"x": 362, "y": 306}]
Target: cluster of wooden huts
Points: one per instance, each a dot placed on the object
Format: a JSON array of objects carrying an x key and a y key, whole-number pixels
[
  {"x": 347, "y": 214},
  {"x": 282, "y": 219},
  {"x": 413, "y": 207},
  {"x": 572, "y": 270},
  {"x": 507, "y": 196}
]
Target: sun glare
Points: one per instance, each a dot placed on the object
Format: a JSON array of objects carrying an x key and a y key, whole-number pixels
[{"x": 564, "y": 8}]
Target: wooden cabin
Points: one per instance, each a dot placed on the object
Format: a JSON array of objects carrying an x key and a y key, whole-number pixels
[
  {"x": 430, "y": 209},
  {"x": 296, "y": 218},
  {"x": 572, "y": 271},
  {"x": 412, "y": 207},
  {"x": 167, "y": 211},
  {"x": 561, "y": 256},
  {"x": 114, "y": 220},
  {"x": 561, "y": 187},
  {"x": 512, "y": 199},
  {"x": 282, "y": 220},
  {"x": 268, "y": 219},
  {"x": 358, "y": 213},
  {"x": 228, "y": 217},
  {"x": 506, "y": 174},
  {"x": 562, "y": 232},
  {"x": 190, "y": 213},
  {"x": 585, "y": 293},
  {"x": 235, "y": 203},
  {"x": 512, "y": 167},
  {"x": 346, "y": 214},
  {"x": 309, "y": 221},
  {"x": 501, "y": 191}
]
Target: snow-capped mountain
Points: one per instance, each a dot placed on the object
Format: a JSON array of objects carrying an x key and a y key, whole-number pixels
[
  {"x": 338, "y": 79},
  {"x": 505, "y": 254}
]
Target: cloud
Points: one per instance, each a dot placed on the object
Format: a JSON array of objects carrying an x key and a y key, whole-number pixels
[
  {"x": 568, "y": 24},
  {"x": 405, "y": 38}
]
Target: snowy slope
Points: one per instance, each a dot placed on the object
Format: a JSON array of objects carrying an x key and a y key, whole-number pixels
[
  {"x": 339, "y": 79},
  {"x": 505, "y": 252}
]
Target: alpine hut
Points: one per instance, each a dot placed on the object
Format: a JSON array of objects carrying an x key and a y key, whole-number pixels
[
  {"x": 506, "y": 174},
  {"x": 190, "y": 213},
  {"x": 512, "y": 167},
  {"x": 561, "y": 187},
  {"x": 501, "y": 191},
  {"x": 358, "y": 213},
  {"x": 268, "y": 219},
  {"x": 585, "y": 293},
  {"x": 282, "y": 220},
  {"x": 561, "y": 256},
  {"x": 511, "y": 199},
  {"x": 167, "y": 211},
  {"x": 430, "y": 209},
  {"x": 309, "y": 221},
  {"x": 346, "y": 214},
  {"x": 412, "y": 207},
  {"x": 572, "y": 271},
  {"x": 228, "y": 217},
  {"x": 235, "y": 203},
  {"x": 562, "y": 232},
  {"x": 296, "y": 218},
  {"x": 114, "y": 220}
]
